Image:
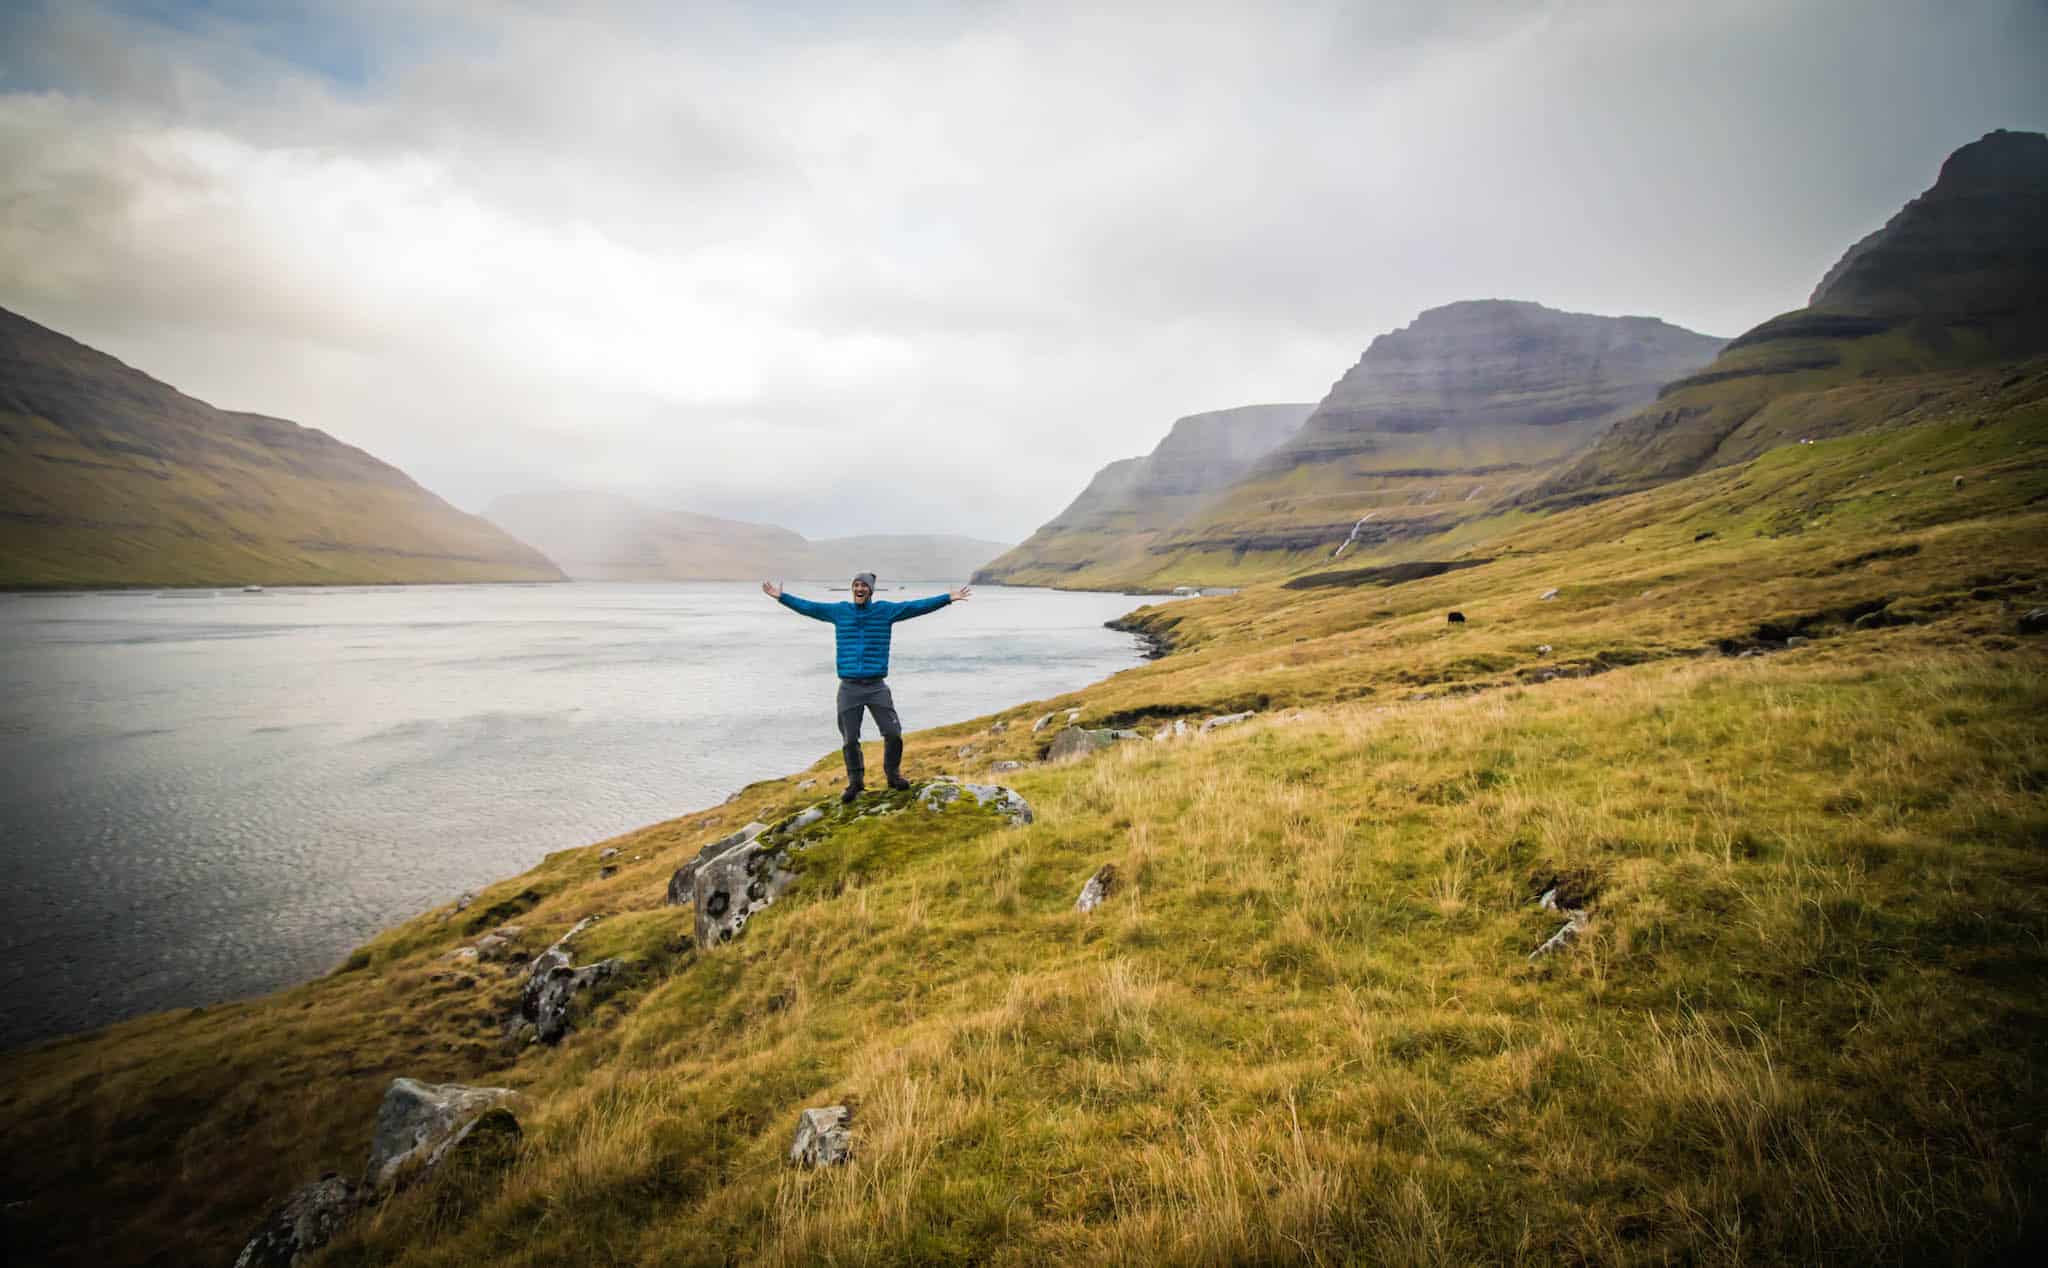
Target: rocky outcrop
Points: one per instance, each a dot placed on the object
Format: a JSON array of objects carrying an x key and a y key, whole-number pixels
[
  {"x": 301, "y": 1224},
  {"x": 824, "y": 1137},
  {"x": 1076, "y": 742},
  {"x": 116, "y": 479},
  {"x": 945, "y": 790},
  {"x": 742, "y": 878},
  {"x": 682, "y": 887},
  {"x": 1106, "y": 530},
  {"x": 1957, "y": 279},
  {"x": 419, "y": 1124},
  {"x": 553, "y": 985}
]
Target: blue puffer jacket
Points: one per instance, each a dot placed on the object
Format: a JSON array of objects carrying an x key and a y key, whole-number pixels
[{"x": 863, "y": 629}]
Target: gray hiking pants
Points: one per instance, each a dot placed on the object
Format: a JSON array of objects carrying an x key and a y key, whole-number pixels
[{"x": 872, "y": 695}]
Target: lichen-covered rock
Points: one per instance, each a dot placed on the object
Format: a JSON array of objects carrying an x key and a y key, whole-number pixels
[
  {"x": 736, "y": 883},
  {"x": 824, "y": 1137},
  {"x": 554, "y": 994},
  {"x": 301, "y": 1224},
  {"x": 1099, "y": 886},
  {"x": 418, "y": 1124},
  {"x": 945, "y": 790},
  {"x": 1227, "y": 719},
  {"x": 553, "y": 983},
  {"x": 682, "y": 887}
]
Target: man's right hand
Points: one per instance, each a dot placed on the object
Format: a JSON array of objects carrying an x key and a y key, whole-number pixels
[{"x": 770, "y": 589}]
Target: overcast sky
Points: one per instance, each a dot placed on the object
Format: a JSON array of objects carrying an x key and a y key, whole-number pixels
[{"x": 923, "y": 267}]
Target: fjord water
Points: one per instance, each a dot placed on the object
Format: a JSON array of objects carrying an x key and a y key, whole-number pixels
[{"x": 210, "y": 794}]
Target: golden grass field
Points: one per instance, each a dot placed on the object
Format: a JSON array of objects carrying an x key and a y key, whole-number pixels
[{"x": 1803, "y": 1024}]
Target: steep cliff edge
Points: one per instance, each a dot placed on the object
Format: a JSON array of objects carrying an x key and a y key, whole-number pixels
[
  {"x": 1101, "y": 538},
  {"x": 1953, "y": 286},
  {"x": 111, "y": 478},
  {"x": 1437, "y": 422}
]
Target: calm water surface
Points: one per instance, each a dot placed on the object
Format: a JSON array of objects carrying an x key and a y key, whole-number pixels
[{"x": 210, "y": 794}]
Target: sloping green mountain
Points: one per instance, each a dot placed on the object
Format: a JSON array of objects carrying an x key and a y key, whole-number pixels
[
  {"x": 1910, "y": 318},
  {"x": 1109, "y": 528},
  {"x": 599, "y": 536},
  {"x": 110, "y": 478},
  {"x": 1435, "y": 424}
]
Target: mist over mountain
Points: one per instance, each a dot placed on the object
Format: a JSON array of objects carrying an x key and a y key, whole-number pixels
[
  {"x": 111, "y": 478},
  {"x": 601, "y": 536},
  {"x": 1956, "y": 281},
  {"x": 1133, "y": 500}
]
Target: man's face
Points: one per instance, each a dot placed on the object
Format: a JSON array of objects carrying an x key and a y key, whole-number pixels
[{"x": 862, "y": 592}]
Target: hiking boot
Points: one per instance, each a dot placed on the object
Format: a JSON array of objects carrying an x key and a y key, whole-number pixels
[
  {"x": 892, "y": 762},
  {"x": 852, "y": 791}
]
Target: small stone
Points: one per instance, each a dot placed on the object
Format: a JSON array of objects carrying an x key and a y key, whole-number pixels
[
  {"x": 1099, "y": 886},
  {"x": 462, "y": 903},
  {"x": 966, "y": 751},
  {"x": 1043, "y": 723},
  {"x": 1006, "y": 766},
  {"x": 1078, "y": 742},
  {"x": 1543, "y": 649},
  {"x": 1957, "y": 482},
  {"x": 1797, "y": 640},
  {"x": 609, "y": 852},
  {"x": 999, "y": 728},
  {"x": 823, "y": 1137},
  {"x": 806, "y": 785},
  {"x": 465, "y": 955},
  {"x": 419, "y": 1122},
  {"x": 301, "y": 1224},
  {"x": 1228, "y": 719},
  {"x": 1548, "y": 594}
]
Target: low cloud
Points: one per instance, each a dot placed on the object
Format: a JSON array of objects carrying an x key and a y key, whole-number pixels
[{"x": 922, "y": 270}]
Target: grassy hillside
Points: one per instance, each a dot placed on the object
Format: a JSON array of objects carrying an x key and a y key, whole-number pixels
[
  {"x": 1803, "y": 1023},
  {"x": 110, "y": 478}
]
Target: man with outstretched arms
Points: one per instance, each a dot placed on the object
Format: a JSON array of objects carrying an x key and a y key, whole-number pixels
[{"x": 862, "y": 631}]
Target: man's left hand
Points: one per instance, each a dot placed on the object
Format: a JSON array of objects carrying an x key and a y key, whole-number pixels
[{"x": 962, "y": 593}]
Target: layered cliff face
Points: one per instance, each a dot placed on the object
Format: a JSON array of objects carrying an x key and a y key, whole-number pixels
[
  {"x": 1953, "y": 286},
  {"x": 1437, "y": 422},
  {"x": 604, "y": 537},
  {"x": 110, "y": 478},
  {"x": 1106, "y": 531}
]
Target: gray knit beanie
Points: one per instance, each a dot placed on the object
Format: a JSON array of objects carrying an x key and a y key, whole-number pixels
[{"x": 868, "y": 577}]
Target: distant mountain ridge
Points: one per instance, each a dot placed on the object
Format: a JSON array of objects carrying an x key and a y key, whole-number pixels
[
  {"x": 1956, "y": 281},
  {"x": 599, "y": 536},
  {"x": 1436, "y": 423},
  {"x": 1131, "y": 501},
  {"x": 111, "y": 478}
]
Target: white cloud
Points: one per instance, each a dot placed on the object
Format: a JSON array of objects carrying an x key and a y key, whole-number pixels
[{"x": 926, "y": 269}]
